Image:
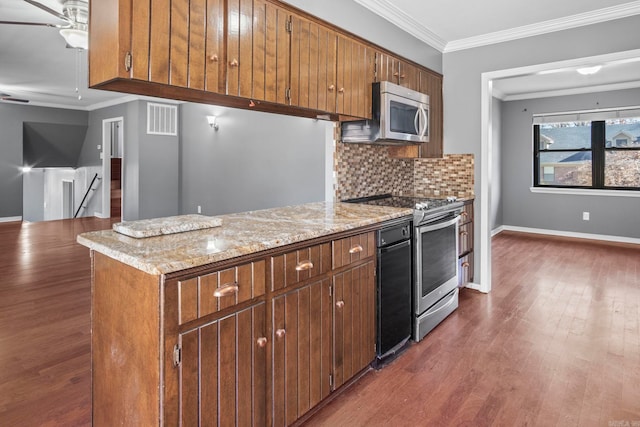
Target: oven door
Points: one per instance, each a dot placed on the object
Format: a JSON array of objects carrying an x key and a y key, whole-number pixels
[
  {"x": 436, "y": 262},
  {"x": 403, "y": 119}
]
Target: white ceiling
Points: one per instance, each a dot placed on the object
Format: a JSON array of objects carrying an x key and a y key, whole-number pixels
[{"x": 36, "y": 65}]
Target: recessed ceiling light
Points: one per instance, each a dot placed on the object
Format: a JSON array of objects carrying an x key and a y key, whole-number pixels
[{"x": 586, "y": 71}]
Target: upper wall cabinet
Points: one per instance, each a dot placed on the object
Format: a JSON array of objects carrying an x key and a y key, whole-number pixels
[
  {"x": 313, "y": 65},
  {"x": 260, "y": 54},
  {"x": 354, "y": 77}
]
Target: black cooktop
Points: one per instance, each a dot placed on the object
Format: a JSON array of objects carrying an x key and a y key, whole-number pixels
[{"x": 418, "y": 203}]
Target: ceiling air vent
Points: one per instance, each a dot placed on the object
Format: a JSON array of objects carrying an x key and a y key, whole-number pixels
[{"x": 162, "y": 119}]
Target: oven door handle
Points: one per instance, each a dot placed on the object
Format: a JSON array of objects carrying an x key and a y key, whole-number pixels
[{"x": 439, "y": 225}]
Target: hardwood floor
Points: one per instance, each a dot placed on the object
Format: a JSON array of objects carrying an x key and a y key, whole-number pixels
[
  {"x": 45, "y": 323},
  {"x": 557, "y": 341}
]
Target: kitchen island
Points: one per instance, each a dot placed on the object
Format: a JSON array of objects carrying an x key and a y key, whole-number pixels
[{"x": 253, "y": 322}]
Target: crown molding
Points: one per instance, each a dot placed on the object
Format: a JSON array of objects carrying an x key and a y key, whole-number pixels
[
  {"x": 574, "y": 21},
  {"x": 406, "y": 22}
]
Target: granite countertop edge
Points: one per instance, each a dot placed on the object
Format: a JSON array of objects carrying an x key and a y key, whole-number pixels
[{"x": 281, "y": 226}]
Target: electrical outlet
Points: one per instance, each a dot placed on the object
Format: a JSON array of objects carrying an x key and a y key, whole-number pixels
[
  {"x": 585, "y": 216},
  {"x": 199, "y": 209}
]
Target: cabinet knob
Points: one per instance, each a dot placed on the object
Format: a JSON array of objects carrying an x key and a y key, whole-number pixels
[
  {"x": 234, "y": 63},
  {"x": 396, "y": 74},
  {"x": 280, "y": 333},
  {"x": 402, "y": 76},
  {"x": 304, "y": 265},
  {"x": 331, "y": 88},
  {"x": 262, "y": 342},
  {"x": 464, "y": 233},
  {"x": 224, "y": 290},
  {"x": 464, "y": 214},
  {"x": 355, "y": 249},
  {"x": 465, "y": 264},
  {"x": 214, "y": 57},
  {"x": 340, "y": 304},
  {"x": 341, "y": 90}
]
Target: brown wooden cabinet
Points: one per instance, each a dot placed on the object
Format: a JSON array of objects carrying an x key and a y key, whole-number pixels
[
  {"x": 465, "y": 244},
  {"x": 259, "y": 340},
  {"x": 260, "y": 54},
  {"x": 354, "y": 77},
  {"x": 354, "y": 331},
  {"x": 222, "y": 371},
  {"x": 301, "y": 350},
  {"x": 395, "y": 70}
]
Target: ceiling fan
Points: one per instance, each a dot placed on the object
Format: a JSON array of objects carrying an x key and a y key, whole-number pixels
[{"x": 75, "y": 14}]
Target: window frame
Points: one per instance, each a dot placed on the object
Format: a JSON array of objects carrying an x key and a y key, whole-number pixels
[{"x": 598, "y": 151}]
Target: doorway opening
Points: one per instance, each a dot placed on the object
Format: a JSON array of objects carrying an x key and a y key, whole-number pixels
[
  {"x": 67, "y": 199},
  {"x": 112, "y": 170}
]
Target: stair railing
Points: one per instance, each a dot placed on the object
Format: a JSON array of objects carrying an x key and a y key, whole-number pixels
[{"x": 86, "y": 194}]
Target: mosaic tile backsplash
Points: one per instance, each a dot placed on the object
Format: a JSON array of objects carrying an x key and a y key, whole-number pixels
[{"x": 364, "y": 170}]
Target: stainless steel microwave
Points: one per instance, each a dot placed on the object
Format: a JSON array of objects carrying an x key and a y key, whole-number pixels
[{"x": 400, "y": 116}]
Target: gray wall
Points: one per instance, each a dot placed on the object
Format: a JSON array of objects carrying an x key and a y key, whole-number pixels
[
  {"x": 609, "y": 214},
  {"x": 496, "y": 171},
  {"x": 11, "y": 119},
  {"x": 33, "y": 203},
  {"x": 254, "y": 161},
  {"x": 463, "y": 69},
  {"x": 359, "y": 20}
]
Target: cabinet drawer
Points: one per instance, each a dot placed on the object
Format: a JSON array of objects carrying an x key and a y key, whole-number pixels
[
  {"x": 213, "y": 292},
  {"x": 467, "y": 213},
  {"x": 296, "y": 266},
  {"x": 465, "y": 272},
  {"x": 465, "y": 238},
  {"x": 352, "y": 249}
]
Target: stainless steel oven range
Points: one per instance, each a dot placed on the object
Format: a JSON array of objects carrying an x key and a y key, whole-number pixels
[{"x": 434, "y": 258}]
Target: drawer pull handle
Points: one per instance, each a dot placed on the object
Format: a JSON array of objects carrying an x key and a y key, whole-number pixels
[
  {"x": 340, "y": 304},
  {"x": 304, "y": 265},
  {"x": 465, "y": 264},
  {"x": 280, "y": 333},
  {"x": 224, "y": 290},
  {"x": 262, "y": 342},
  {"x": 355, "y": 249}
]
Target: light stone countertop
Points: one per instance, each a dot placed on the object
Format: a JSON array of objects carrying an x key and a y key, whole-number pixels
[{"x": 240, "y": 234}]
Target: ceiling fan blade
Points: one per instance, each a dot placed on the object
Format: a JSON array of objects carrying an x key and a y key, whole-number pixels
[
  {"x": 40, "y": 24},
  {"x": 49, "y": 10}
]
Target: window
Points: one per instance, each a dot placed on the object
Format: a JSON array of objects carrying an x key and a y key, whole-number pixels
[{"x": 600, "y": 154}]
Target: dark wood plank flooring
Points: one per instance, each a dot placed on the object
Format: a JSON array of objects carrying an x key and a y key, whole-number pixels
[{"x": 557, "y": 341}]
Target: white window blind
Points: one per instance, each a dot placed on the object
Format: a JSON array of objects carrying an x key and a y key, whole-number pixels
[{"x": 588, "y": 116}]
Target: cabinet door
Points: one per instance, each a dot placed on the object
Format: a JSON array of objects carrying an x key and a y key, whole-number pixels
[
  {"x": 271, "y": 41},
  {"x": 355, "y": 73},
  {"x": 386, "y": 68},
  {"x": 409, "y": 76},
  {"x": 223, "y": 371},
  {"x": 354, "y": 335},
  {"x": 213, "y": 49},
  {"x": 313, "y": 65},
  {"x": 239, "y": 47},
  {"x": 431, "y": 84},
  {"x": 301, "y": 351}
]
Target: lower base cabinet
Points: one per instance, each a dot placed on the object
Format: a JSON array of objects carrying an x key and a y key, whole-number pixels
[
  {"x": 223, "y": 371},
  {"x": 302, "y": 348},
  {"x": 230, "y": 344}
]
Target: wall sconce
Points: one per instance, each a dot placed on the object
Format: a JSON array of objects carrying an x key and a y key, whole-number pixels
[
  {"x": 26, "y": 169},
  {"x": 212, "y": 122}
]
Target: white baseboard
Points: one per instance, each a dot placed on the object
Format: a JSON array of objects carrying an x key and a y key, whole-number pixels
[
  {"x": 99, "y": 215},
  {"x": 606, "y": 238},
  {"x": 11, "y": 218},
  {"x": 476, "y": 287},
  {"x": 497, "y": 230}
]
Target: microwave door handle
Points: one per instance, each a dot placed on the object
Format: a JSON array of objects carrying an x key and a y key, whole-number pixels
[
  {"x": 416, "y": 120},
  {"x": 425, "y": 120}
]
